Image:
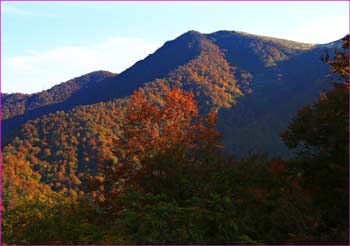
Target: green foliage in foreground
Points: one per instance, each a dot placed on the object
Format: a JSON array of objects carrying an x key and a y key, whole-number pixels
[{"x": 251, "y": 202}]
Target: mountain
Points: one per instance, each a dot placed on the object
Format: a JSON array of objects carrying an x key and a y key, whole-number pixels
[
  {"x": 255, "y": 83},
  {"x": 166, "y": 59},
  {"x": 18, "y": 104},
  {"x": 285, "y": 75},
  {"x": 17, "y": 108}
]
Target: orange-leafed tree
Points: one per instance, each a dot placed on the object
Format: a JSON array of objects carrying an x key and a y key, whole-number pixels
[
  {"x": 148, "y": 131},
  {"x": 19, "y": 181}
]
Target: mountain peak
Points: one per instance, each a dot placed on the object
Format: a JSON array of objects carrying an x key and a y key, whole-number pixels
[
  {"x": 101, "y": 72},
  {"x": 94, "y": 76},
  {"x": 283, "y": 43},
  {"x": 192, "y": 32},
  {"x": 191, "y": 35}
]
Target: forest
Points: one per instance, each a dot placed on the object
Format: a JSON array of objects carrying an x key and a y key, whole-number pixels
[{"x": 152, "y": 168}]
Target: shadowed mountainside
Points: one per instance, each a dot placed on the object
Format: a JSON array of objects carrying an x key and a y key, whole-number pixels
[{"x": 255, "y": 83}]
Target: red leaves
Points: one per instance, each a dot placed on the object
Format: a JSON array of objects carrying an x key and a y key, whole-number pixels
[
  {"x": 276, "y": 167},
  {"x": 148, "y": 130}
]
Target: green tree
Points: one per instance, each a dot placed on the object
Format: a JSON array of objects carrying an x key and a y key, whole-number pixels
[{"x": 320, "y": 133}]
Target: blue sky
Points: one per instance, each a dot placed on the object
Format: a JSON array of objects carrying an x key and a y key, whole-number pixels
[{"x": 45, "y": 43}]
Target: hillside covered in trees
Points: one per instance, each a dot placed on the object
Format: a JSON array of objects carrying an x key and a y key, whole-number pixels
[
  {"x": 145, "y": 156},
  {"x": 269, "y": 80}
]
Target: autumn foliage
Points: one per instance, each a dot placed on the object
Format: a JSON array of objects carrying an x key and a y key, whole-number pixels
[
  {"x": 150, "y": 169},
  {"x": 149, "y": 130}
]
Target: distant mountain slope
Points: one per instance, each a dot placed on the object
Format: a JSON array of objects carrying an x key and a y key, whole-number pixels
[
  {"x": 285, "y": 75},
  {"x": 18, "y": 108},
  {"x": 255, "y": 83},
  {"x": 209, "y": 76},
  {"x": 166, "y": 59},
  {"x": 17, "y": 104},
  {"x": 63, "y": 147},
  {"x": 254, "y": 53}
]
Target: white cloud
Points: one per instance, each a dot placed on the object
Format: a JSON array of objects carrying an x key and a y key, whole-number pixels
[
  {"x": 323, "y": 30},
  {"x": 37, "y": 71}
]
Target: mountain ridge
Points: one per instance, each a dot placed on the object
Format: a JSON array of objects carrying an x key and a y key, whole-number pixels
[
  {"x": 234, "y": 66},
  {"x": 55, "y": 94}
]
